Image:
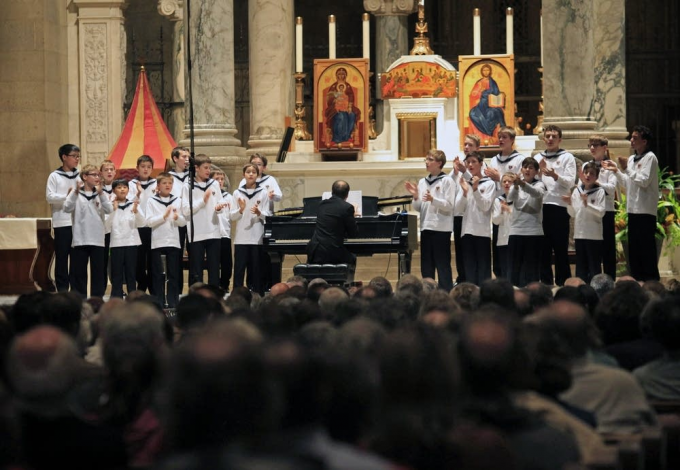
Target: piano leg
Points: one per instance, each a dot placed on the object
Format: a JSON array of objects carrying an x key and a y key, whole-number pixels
[
  {"x": 277, "y": 266},
  {"x": 404, "y": 264}
]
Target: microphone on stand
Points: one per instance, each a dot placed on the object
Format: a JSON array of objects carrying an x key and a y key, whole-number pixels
[{"x": 164, "y": 263}]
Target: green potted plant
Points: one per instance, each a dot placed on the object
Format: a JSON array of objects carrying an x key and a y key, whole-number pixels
[{"x": 667, "y": 215}]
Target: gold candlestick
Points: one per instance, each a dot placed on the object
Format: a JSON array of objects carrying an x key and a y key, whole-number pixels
[
  {"x": 539, "y": 120},
  {"x": 300, "y": 123},
  {"x": 372, "y": 134}
]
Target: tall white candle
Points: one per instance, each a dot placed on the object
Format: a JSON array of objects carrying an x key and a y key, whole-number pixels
[
  {"x": 366, "y": 25},
  {"x": 298, "y": 44},
  {"x": 509, "y": 39},
  {"x": 541, "y": 38},
  {"x": 331, "y": 36},
  {"x": 477, "y": 31}
]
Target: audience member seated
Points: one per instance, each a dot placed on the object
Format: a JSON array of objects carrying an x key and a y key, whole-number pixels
[
  {"x": 660, "y": 378},
  {"x": 46, "y": 375},
  {"x": 467, "y": 296},
  {"x": 498, "y": 291},
  {"x": 612, "y": 394},
  {"x": 135, "y": 350},
  {"x": 618, "y": 318},
  {"x": 410, "y": 283},
  {"x": 494, "y": 366},
  {"x": 439, "y": 310},
  {"x": 602, "y": 283},
  {"x": 382, "y": 286}
]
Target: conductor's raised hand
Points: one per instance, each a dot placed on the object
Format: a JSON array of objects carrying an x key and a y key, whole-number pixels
[{"x": 412, "y": 189}]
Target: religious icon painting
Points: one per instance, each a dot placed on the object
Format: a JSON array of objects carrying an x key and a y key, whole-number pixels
[
  {"x": 487, "y": 96},
  {"x": 341, "y": 105}
]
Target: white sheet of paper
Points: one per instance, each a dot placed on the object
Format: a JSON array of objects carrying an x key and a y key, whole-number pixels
[{"x": 353, "y": 198}]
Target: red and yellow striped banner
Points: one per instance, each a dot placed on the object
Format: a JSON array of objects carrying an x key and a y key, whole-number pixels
[{"x": 144, "y": 132}]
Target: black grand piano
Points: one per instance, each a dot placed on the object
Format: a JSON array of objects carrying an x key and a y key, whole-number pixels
[{"x": 288, "y": 232}]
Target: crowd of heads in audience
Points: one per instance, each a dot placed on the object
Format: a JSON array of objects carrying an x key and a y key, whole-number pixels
[{"x": 313, "y": 375}]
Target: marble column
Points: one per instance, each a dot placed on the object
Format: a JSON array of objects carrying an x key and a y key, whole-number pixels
[
  {"x": 174, "y": 11},
  {"x": 271, "y": 54},
  {"x": 101, "y": 67},
  {"x": 391, "y": 38},
  {"x": 609, "y": 108},
  {"x": 568, "y": 73},
  {"x": 211, "y": 30}
]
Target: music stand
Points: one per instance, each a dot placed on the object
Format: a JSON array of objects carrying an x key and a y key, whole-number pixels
[{"x": 285, "y": 145}]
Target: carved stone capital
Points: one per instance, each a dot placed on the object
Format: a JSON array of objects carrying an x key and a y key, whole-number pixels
[
  {"x": 390, "y": 7},
  {"x": 173, "y": 9}
]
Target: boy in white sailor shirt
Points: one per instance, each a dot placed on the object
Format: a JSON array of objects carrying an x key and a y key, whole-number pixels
[
  {"x": 508, "y": 160},
  {"x": 480, "y": 192},
  {"x": 558, "y": 173},
  {"x": 206, "y": 201},
  {"x": 501, "y": 215},
  {"x": 526, "y": 227},
  {"x": 597, "y": 144},
  {"x": 434, "y": 197},
  {"x": 142, "y": 188},
  {"x": 250, "y": 209},
  {"x": 164, "y": 217},
  {"x": 88, "y": 205},
  {"x": 587, "y": 206},
  {"x": 226, "y": 263},
  {"x": 639, "y": 175},
  {"x": 122, "y": 224},
  {"x": 60, "y": 183},
  {"x": 271, "y": 186},
  {"x": 470, "y": 144},
  {"x": 181, "y": 157},
  {"x": 108, "y": 171}
]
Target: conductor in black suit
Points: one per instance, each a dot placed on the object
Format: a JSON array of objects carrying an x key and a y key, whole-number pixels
[{"x": 334, "y": 222}]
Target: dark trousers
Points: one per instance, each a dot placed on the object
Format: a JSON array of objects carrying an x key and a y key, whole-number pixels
[
  {"x": 80, "y": 257},
  {"x": 159, "y": 271},
  {"x": 247, "y": 258},
  {"x": 210, "y": 250},
  {"x": 123, "y": 268},
  {"x": 180, "y": 268},
  {"x": 524, "y": 259},
  {"x": 642, "y": 247},
  {"x": 477, "y": 256},
  {"x": 496, "y": 266},
  {"x": 226, "y": 264},
  {"x": 63, "y": 238},
  {"x": 144, "y": 269},
  {"x": 556, "y": 240},
  {"x": 588, "y": 258},
  {"x": 435, "y": 254},
  {"x": 458, "y": 247},
  {"x": 501, "y": 256},
  {"x": 107, "y": 270},
  {"x": 609, "y": 245}
]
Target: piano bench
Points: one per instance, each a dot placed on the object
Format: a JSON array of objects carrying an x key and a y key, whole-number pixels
[{"x": 333, "y": 274}]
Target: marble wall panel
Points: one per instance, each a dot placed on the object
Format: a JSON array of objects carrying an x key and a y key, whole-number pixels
[
  {"x": 569, "y": 88},
  {"x": 610, "y": 65}
]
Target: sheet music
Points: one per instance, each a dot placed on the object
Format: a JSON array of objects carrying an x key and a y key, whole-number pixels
[{"x": 353, "y": 198}]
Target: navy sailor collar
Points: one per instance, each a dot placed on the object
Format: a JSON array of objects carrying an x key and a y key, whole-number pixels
[
  {"x": 510, "y": 157},
  {"x": 432, "y": 180},
  {"x": 158, "y": 199},
  {"x": 559, "y": 153},
  {"x": 245, "y": 192},
  {"x": 72, "y": 175}
]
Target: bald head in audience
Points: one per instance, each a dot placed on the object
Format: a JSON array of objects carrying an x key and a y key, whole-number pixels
[{"x": 279, "y": 288}]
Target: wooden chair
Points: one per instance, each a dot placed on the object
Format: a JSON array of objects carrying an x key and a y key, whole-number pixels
[
  {"x": 666, "y": 406},
  {"x": 670, "y": 426}
]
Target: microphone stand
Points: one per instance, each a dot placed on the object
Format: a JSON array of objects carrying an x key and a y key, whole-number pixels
[{"x": 192, "y": 157}]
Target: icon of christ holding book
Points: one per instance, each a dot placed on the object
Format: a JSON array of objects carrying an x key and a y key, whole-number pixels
[{"x": 487, "y": 104}]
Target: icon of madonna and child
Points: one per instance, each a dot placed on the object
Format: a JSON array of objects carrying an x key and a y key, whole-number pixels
[
  {"x": 487, "y": 103},
  {"x": 341, "y": 115}
]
